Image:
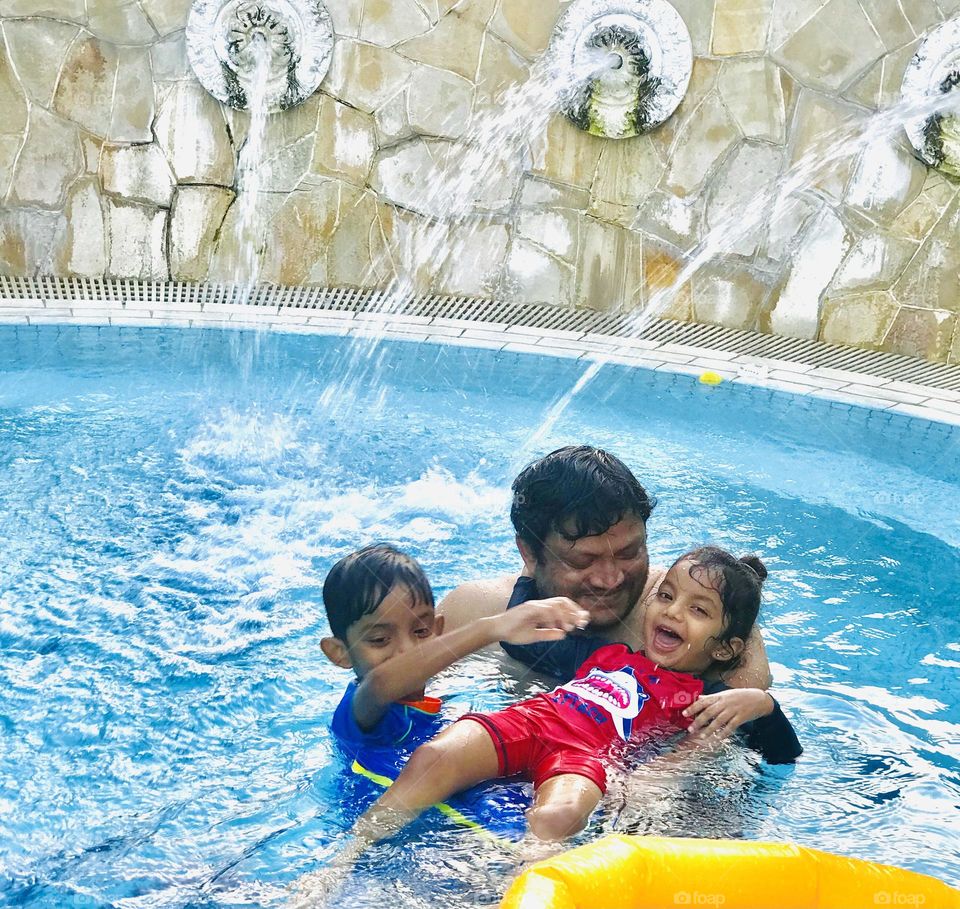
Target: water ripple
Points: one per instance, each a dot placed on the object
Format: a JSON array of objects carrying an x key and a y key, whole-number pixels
[{"x": 164, "y": 734}]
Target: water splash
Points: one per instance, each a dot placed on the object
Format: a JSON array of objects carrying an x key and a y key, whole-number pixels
[{"x": 776, "y": 203}]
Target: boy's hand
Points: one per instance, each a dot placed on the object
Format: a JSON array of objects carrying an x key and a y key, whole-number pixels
[
  {"x": 540, "y": 620},
  {"x": 720, "y": 715},
  {"x": 313, "y": 891}
]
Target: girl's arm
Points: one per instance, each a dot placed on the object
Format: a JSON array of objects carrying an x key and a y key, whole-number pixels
[{"x": 755, "y": 714}]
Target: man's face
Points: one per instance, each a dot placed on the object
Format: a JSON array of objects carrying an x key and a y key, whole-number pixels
[{"x": 605, "y": 574}]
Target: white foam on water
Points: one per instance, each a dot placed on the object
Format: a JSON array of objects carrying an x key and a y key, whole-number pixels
[
  {"x": 271, "y": 525},
  {"x": 233, "y": 437},
  {"x": 440, "y": 492}
]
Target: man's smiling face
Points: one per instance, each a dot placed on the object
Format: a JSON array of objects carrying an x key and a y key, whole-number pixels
[{"x": 605, "y": 573}]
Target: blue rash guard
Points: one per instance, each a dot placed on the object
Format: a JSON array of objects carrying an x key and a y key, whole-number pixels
[
  {"x": 400, "y": 730},
  {"x": 379, "y": 754},
  {"x": 772, "y": 735}
]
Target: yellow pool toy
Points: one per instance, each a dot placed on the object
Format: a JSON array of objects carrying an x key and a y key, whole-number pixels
[
  {"x": 641, "y": 872},
  {"x": 711, "y": 378}
]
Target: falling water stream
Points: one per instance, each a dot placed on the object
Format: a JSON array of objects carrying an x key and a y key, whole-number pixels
[
  {"x": 777, "y": 202},
  {"x": 252, "y": 172},
  {"x": 454, "y": 201}
]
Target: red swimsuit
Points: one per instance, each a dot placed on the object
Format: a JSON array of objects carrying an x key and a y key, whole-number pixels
[{"x": 617, "y": 695}]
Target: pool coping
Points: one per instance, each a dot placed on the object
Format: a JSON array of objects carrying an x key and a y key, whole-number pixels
[{"x": 695, "y": 353}]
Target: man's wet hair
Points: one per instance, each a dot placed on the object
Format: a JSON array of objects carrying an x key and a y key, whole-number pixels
[
  {"x": 739, "y": 584},
  {"x": 360, "y": 582},
  {"x": 578, "y": 491}
]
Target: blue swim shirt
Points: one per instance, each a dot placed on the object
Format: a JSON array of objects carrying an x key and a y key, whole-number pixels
[{"x": 402, "y": 728}]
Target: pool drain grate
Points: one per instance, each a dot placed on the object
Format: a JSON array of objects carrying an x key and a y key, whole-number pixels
[{"x": 58, "y": 293}]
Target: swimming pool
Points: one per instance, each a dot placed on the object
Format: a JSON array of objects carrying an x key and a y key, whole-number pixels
[{"x": 172, "y": 499}]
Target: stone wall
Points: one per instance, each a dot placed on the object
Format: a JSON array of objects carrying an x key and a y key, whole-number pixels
[{"x": 115, "y": 162}]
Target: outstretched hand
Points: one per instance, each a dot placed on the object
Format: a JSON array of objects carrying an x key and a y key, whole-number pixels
[
  {"x": 541, "y": 620},
  {"x": 718, "y": 716}
]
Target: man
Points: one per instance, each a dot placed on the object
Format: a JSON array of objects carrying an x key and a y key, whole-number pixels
[{"x": 580, "y": 517}]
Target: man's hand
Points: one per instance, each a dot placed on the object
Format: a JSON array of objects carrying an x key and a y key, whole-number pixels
[
  {"x": 540, "y": 620},
  {"x": 718, "y": 716}
]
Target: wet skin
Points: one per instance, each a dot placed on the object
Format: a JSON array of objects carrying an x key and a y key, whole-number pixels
[{"x": 606, "y": 574}]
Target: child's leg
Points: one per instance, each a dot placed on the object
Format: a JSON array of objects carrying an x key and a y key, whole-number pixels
[
  {"x": 562, "y": 805},
  {"x": 459, "y": 757}
]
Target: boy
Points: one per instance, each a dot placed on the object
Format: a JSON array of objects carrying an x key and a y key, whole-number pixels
[{"x": 381, "y": 612}]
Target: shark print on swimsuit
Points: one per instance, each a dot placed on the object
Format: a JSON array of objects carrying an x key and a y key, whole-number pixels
[{"x": 619, "y": 693}]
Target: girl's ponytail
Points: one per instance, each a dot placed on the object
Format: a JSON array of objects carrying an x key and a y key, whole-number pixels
[{"x": 753, "y": 562}]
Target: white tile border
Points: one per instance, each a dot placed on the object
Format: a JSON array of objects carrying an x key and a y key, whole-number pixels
[{"x": 805, "y": 381}]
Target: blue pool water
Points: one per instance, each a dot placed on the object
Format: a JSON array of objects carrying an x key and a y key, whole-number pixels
[{"x": 171, "y": 500}]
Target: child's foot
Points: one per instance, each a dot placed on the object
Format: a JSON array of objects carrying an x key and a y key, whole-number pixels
[
  {"x": 318, "y": 889},
  {"x": 532, "y": 849}
]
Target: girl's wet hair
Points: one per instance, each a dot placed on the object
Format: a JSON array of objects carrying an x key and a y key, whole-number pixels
[
  {"x": 739, "y": 584},
  {"x": 360, "y": 582}
]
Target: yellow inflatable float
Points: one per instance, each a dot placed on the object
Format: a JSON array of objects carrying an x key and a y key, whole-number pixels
[{"x": 624, "y": 872}]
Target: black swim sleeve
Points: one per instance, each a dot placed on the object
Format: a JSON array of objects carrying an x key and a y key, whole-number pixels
[
  {"x": 561, "y": 659},
  {"x": 772, "y": 735}
]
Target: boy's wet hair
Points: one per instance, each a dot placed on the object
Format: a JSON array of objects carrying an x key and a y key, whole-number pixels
[
  {"x": 578, "y": 491},
  {"x": 739, "y": 584},
  {"x": 360, "y": 582}
]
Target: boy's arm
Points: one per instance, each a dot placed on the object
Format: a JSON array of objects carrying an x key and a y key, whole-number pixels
[
  {"x": 560, "y": 659},
  {"x": 537, "y": 620}
]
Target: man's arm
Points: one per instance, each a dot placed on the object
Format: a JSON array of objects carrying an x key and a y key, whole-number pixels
[
  {"x": 754, "y": 669},
  {"x": 476, "y": 600}
]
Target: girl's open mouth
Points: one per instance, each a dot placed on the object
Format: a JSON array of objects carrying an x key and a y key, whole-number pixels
[{"x": 666, "y": 640}]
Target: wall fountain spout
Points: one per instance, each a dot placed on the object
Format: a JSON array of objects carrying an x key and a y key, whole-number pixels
[
  {"x": 934, "y": 72},
  {"x": 222, "y": 40},
  {"x": 637, "y": 57}
]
